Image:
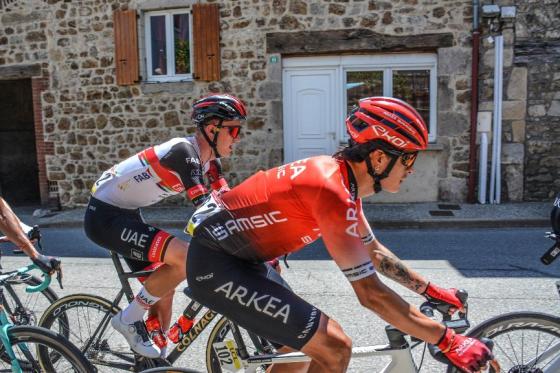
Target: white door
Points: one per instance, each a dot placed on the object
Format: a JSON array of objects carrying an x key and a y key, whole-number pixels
[{"x": 310, "y": 112}]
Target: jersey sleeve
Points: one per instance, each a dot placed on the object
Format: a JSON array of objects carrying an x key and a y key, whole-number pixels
[
  {"x": 183, "y": 160},
  {"x": 339, "y": 219},
  {"x": 216, "y": 177}
]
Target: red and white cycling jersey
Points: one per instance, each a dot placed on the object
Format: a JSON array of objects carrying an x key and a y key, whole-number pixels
[
  {"x": 279, "y": 211},
  {"x": 157, "y": 173}
]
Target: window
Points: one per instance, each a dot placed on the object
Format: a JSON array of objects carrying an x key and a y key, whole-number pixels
[
  {"x": 411, "y": 78},
  {"x": 168, "y": 36}
]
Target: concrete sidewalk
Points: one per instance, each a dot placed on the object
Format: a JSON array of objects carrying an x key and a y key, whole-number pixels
[{"x": 402, "y": 215}]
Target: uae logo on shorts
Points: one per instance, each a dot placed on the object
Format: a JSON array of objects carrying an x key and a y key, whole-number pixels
[{"x": 136, "y": 254}]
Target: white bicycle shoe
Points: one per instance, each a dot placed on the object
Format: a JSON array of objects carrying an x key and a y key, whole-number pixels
[{"x": 136, "y": 336}]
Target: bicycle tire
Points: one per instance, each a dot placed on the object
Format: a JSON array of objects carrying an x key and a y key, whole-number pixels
[
  {"x": 47, "y": 343},
  {"x": 24, "y": 308},
  {"x": 83, "y": 315},
  {"x": 169, "y": 370},
  {"x": 218, "y": 334},
  {"x": 517, "y": 324}
]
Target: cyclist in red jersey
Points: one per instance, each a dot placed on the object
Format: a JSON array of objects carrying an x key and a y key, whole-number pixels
[
  {"x": 281, "y": 210},
  {"x": 113, "y": 219}
]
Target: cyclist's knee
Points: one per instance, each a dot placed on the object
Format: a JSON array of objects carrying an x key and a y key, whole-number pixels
[
  {"x": 176, "y": 254},
  {"x": 330, "y": 347}
]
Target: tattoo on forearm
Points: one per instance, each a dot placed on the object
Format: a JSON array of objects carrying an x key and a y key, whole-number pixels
[{"x": 393, "y": 268}]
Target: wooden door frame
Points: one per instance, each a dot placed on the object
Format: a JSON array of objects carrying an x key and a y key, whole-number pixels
[{"x": 39, "y": 83}]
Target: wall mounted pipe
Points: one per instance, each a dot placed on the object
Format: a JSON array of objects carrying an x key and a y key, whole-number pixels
[
  {"x": 483, "y": 168},
  {"x": 474, "y": 103},
  {"x": 495, "y": 170}
]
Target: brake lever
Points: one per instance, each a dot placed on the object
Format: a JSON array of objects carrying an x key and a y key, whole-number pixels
[
  {"x": 551, "y": 254},
  {"x": 59, "y": 277}
]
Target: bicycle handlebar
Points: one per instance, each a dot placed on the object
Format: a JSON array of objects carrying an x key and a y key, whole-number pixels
[
  {"x": 43, "y": 285},
  {"x": 30, "y": 289},
  {"x": 460, "y": 325}
]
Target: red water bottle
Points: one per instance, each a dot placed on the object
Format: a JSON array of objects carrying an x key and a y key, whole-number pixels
[
  {"x": 184, "y": 323},
  {"x": 156, "y": 332},
  {"x": 182, "y": 326}
]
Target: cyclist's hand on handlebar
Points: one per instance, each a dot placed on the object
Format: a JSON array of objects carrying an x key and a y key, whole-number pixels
[
  {"x": 466, "y": 353},
  {"x": 50, "y": 265},
  {"x": 437, "y": 295},
  {"x": 47, "y": 264}
]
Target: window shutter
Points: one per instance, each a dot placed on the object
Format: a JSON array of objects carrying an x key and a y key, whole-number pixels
[
  {"x": 206, "y": 35},
  {"x": 126, "y": 46}
]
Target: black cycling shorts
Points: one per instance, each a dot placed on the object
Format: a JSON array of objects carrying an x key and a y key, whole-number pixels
[
  {"x": 251, "y": 294},
  {"x": 125, "y": 232}
]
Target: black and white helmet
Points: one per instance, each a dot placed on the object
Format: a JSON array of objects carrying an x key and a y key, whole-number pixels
[{"x": 221, "y": 106}]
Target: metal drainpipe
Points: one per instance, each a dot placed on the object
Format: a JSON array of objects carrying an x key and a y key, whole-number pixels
[{"x": 474, "y": 104}]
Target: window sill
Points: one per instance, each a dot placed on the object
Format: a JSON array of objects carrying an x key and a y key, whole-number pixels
[
  {"x": 434, "y": 146},
  {"x": 169, "y": 87}
]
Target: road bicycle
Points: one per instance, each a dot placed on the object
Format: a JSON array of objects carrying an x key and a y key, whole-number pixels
[
  {"x": 232, "y": 349},
  {"x": 22, "y": 307},
  {"x": 28, "y": 348},
  {"x": 525, "y": 342},
  {"x": 85, "y": 319}
]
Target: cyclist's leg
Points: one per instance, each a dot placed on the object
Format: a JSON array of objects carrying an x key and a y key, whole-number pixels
[
  {"x": 125, "y": 232},
  {"x": 163, "y": 308},
  {"x": 242, "y": 292},
  {"x": 167, "y": 277}
]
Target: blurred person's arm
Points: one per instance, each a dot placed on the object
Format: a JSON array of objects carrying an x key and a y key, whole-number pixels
[{"x": 10, "y": 226}]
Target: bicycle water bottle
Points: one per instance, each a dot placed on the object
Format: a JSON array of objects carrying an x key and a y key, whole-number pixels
[
  {"x": 185, "y": 322},
  {"x": 155, "y": 331}
]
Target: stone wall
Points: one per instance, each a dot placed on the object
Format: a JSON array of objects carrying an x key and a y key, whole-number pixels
[
  {"x": 530, "y": 156},
  {"x": 93, "y": 123},
  {"x": 537, "y": 51}
]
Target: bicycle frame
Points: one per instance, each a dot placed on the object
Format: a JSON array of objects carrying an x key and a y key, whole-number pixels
[
  {"x": 5, "y": 324},
  {"x": 126, "y": 291},
  {"x": 233, "y": 357},
  {"x": 401, "y": 359}
]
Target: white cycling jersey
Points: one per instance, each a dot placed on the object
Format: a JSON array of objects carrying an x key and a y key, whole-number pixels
[{"x": 157, "y": 173}]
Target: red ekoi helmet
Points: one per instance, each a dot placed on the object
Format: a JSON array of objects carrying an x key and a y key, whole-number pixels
[
  {"x": 388, "y": 119},
  {"x": 221, "y": 106}
]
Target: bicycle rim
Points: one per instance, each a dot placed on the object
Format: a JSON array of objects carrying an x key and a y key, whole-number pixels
[
  {"x": 222, "y": 331},
  {"x": 169, "y": 370},
  {"x": 524, "y": 342},
  {"x": 32, "y": 344},
  {"x": 86, "y": 320}
]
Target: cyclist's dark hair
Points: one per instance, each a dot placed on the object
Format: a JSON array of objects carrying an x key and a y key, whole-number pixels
[{"x": 355, "y": 152}]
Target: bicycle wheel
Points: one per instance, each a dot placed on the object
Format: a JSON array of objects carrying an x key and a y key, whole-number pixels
[
  {"x": 222, "y": 331},
  {"x": 169, "y": 370},
  {"x": 86, "y": 320},
  {"x": 32, "y": 344},
  {"x": 24, "y": 308},
  {"x": 524, "y": 342}
]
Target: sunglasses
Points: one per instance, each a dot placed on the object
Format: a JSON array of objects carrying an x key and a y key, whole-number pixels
[
  {"x": 234, "y": 131},
  {"x": 408, "y": 159}
]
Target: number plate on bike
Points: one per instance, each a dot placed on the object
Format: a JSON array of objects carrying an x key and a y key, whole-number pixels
[{"x": 226, "y": 352}]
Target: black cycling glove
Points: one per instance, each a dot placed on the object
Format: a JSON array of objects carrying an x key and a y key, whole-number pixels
[{"x": 47, "y": 264}]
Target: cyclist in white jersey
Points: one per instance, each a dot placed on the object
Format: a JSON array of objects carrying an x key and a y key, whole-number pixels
[{"x": 113, "y": 219}]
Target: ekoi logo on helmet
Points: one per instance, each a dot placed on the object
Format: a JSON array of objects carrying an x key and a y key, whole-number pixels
[{"x": 383, "y": 134}]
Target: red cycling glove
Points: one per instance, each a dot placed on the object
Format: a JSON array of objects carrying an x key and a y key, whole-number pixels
[
  {"x": 466, "y": 353},
  {"x": 435, "y": 294}
]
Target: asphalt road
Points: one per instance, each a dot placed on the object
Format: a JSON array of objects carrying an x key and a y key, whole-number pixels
[{"x": 499, "y": 267}]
